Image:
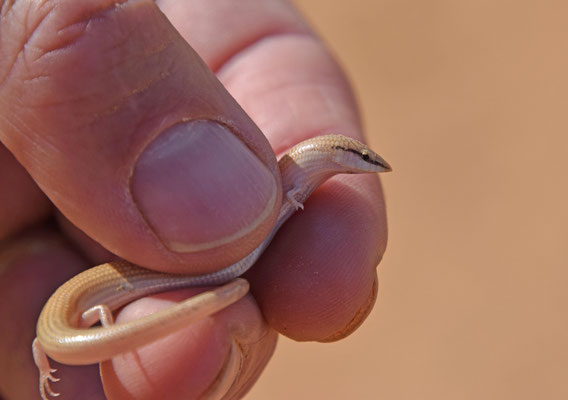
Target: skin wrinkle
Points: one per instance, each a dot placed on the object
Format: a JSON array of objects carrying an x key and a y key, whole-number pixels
[
  {"x": 152, "y": 81},
  {"x": 146, "y": 54},
  {"x": 59, "y": 103},
  {"x": 111, "y": 110},
  {"x": 5, "y": 77},
  {"x": 35, "y": 78},
  {"x": 253, "y": 42},
  {"x": 157, "y": 49},
  {"x": 260, "y": 41},
  {"x": 6, "y": 7},
  {"x": 63, "y": 43},
  {"x": 120, "y": 103},
  {"x": 67, "y": 42},
  {"x": 23, "y": 154},
  {"x": 34, "y": 28}
]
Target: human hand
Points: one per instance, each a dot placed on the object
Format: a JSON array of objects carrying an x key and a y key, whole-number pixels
[{"x": 95, "y": 104}]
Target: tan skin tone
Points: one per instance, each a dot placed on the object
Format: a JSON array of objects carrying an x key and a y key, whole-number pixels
[{"x": 87, "y": 92}]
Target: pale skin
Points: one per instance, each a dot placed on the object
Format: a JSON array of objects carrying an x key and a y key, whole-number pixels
[{"x": 99, "y": 144}]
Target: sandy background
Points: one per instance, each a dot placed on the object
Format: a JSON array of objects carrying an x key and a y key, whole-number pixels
[{"x": 468, "y": 100}]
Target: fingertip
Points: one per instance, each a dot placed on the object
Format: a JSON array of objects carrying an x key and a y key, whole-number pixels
[{"x": 317, "y": 281}]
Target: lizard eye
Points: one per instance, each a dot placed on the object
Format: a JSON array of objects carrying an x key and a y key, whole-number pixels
[{"x": 365, "y": 155}]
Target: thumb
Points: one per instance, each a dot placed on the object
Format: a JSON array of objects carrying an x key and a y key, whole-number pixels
[{"x": 131, "y": 136}]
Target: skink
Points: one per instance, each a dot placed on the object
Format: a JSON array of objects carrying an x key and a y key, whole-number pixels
[{"x": 63, "y": 331}]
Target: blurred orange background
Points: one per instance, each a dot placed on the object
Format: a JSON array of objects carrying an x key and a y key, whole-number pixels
[{"x": 468, "y": 100}]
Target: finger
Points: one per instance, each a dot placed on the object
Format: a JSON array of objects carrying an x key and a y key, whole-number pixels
[
  {"x": 317, "y": 281},
  {"x": 220, "y": 355},
  {"x": 131, "y": 136},
  {"x": 21, "y": 202},
  {"x": 29, "y": 264}
]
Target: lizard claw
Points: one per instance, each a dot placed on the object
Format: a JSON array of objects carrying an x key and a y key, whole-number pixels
[
  {"x": 293, "y": 201},
  {"x": 44, "y": 385}
]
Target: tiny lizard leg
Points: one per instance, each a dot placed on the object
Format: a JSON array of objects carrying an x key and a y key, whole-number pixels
[
  {"x": 45, "y": 371},
  {"x": 291, "y": 196},
  {"x": 97, "y": 313}
]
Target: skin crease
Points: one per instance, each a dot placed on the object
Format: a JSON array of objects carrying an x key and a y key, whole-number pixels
[{"x": 270, "y": 62}]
